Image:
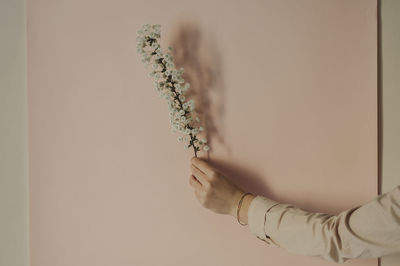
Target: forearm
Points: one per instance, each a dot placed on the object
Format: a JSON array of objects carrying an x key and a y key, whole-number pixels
[{"x": 368, "y": 231}]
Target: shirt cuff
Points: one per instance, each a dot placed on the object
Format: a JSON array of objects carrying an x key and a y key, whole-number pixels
[{"x": 257, "y": 211}]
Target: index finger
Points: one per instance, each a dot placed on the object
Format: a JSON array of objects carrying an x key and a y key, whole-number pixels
[{"x": 205, "y": 167}]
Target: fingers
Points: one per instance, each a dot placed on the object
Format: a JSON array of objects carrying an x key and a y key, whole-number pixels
[
  {"x": 198, "y": 174},
  {"x": 205, "y": 167},
  {"x": 198, "y": 194},
  {"x": 194, "y": 183}
]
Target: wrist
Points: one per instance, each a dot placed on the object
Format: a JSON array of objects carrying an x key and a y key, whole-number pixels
[
  {"x": 244, "y": 208},
  {"x": 235, "y": 202}
]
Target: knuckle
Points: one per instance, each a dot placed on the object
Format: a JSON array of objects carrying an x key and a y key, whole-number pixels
[
  {"x": 213, "y": 175},
  {"x": 212, "y": 180},
  {"x": 207, "y": 194}
]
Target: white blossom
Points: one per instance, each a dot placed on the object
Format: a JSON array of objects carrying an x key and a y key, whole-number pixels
[
  {"x": 169, "y": 85},
  {"x": 202, "y": 141}
]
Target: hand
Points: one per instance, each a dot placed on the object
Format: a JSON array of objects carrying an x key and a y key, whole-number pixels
[{"x": 213, "y": 189}]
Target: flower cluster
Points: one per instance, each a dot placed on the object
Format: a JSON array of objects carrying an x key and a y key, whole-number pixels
[{"x": 170, "y": 85}]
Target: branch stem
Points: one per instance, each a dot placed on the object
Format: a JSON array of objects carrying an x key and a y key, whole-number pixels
[{"x": 169, "y": 79}]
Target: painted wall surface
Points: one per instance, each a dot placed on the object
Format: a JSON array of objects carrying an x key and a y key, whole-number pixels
[
  {"x": 390, "y": 11},
  {"x": 14, "y": 250},
  {"x": 289, "y": 93}
]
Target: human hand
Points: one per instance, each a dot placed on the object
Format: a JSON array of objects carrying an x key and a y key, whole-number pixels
[{"x": 213, "y": 190}]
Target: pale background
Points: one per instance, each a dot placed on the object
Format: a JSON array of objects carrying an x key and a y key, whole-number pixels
[
  {"x": 290, "y": 89},
  {"x": 94, "y": 212}
]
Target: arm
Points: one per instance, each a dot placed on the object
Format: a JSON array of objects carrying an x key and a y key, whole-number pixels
[{"x": 368, "y": 231}]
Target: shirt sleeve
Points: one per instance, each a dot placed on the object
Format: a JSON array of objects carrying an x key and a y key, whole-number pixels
[{"x": 366, "y": 231}]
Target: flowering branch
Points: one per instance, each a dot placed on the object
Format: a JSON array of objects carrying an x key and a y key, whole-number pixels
[{"x": 168, "y": 83}]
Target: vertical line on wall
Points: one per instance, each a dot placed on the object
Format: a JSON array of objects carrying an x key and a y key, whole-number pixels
[
  {"x": 379, "y": 99},
  {"x": 379, "y": 85}
]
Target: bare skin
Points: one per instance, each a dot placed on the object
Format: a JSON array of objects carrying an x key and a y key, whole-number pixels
[{"x": 216, "y": 192}]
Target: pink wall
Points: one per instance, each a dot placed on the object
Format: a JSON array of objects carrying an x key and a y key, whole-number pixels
[{"x": 289, "y": 91}]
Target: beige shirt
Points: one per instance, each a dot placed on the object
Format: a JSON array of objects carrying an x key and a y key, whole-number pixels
[{"x": 367, "y": 231}]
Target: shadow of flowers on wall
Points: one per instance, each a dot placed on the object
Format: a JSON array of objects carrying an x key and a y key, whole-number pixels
[{"x": 196, "y": 51}]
